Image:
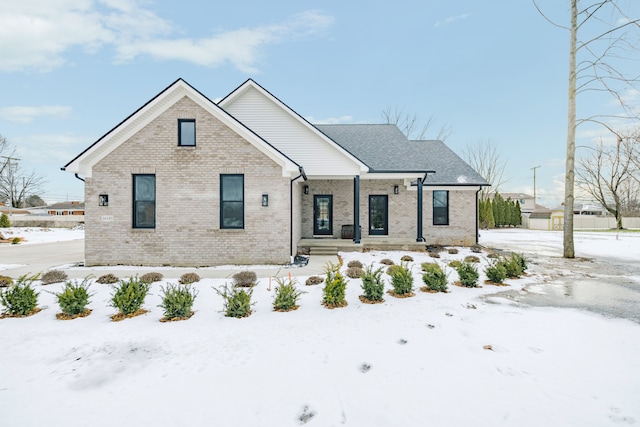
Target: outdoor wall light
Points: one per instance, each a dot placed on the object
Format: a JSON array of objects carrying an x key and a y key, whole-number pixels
[
  {"x": 305, "y": 189},
  {"x": 396, "y": 189},
  {"x": 265, "y": 199},
  {"x": 103, "y": 200}
]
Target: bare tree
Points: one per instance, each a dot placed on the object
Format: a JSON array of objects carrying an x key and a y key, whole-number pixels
[
  {"x": 485, "y": 159},
  {"x": 606, "y": 175},
  {"x": 411, "y": 126},
  {"x": 15, "y": 185},
  {"x": 4, "y": 153},
  {"x": 602, "y": 50}
]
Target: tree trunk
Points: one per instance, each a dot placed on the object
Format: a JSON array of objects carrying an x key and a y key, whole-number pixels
[{"x": 569, "y": 250}]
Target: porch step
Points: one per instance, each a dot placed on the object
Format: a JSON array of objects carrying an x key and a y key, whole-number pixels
[{"x": 323, "y": 250}]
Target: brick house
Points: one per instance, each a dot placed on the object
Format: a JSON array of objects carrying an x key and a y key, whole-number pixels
[{"x": 258, "y": 180}]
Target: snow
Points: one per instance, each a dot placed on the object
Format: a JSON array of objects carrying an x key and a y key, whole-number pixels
[
  {"x": 33, "y": 235},
  {"x": 427, "y": 364}
]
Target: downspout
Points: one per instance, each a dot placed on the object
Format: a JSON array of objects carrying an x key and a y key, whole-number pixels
[
  {"x": 81, "y": 179},
  {"x": 477, "y": 216},
  {"x": 356, "y": 209},
  {"x": 420, "y": 237},
  {"x": 304, "y": 177}
]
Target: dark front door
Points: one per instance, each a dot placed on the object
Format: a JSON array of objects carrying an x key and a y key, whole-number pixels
[
  {"x": 378, "y": 216},
  {"x": 322, "y": 215}
]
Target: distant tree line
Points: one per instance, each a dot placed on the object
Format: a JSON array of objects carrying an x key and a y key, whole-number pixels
[{"x": 498, "y": 212}]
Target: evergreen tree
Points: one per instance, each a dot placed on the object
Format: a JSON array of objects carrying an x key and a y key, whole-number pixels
[
  {"x": 491, "y": 223},
  {"x": 497, "y": 209},
  {"x": 507, "y": 212},
  {"x": 518, "y": 213}
]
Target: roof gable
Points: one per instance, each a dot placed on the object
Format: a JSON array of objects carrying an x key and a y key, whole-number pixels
[{"x": 84, "y": 162}]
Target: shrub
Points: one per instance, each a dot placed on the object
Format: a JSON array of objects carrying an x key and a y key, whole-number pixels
[
  {"x": 496, "y": 272},
  {"x": 493, "y": 255},
  {"x": 335, "y": 286},
  {"x": 355, "y": 263},
  {"x": 237, "y": 302},
  {"x": 245, "y": 279},
  {"x": 425, "y": 265},
  {"x": 452, "y": 251},
  {"x": 402, "y": 280},
  {"x": 188, "y": 278},
  {"x": 468, "y": 274},
  {"x": 151, "y": 277},
  {"x": 406, "y": 258},
  {"x": 4, "y": 221},
  {"x": 455, "y": 263},
  {"x": 314, "y": 280},
  {"x": 521, "y": 260},
  {"x": 287, "y": 294},
  {"x": 512, "y": 267},
  {"x": 387, "y": 261},
  {"x": 74, "y": 298},
  {"x": 129, "y": 295},
  {"x": 391, "y": 269},
  {"x": 434, "y": 254},
  {"x": 15, "y": 240},
  {"x": 476, "y": 249},
  {"x": 372, "y": 284},
  {"x": 434, "y": 278},
  {"x": 471, "y": 258},
  {"x": 107, "y": 279},
  {"x": 177, "y": 301},
  {"x": 20, "y": 299},
  {"x": 5, "y": 281},
  {"x": 354, "y": 272},
  {"x": 53, "y": 276}
]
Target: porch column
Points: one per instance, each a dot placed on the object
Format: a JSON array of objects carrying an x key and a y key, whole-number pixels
[
  {"x": 420, "y": 238},
  {"x": 356, "y": 209}
]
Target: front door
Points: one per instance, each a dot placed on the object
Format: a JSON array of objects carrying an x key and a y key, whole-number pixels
[
  {"x": 322, "y": 215},
  {"x": 378, "y": 216}
]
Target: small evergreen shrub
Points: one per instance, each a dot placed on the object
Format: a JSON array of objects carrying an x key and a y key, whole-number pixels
[
  {"x": 402, "y": 280},
  {"x": 5, "y": 281},
  {"x": 434, "y": 278},
  {"x": 512, "y": 267},
  {"x": 455, "y": 263},
  {"x": 53, "y": 276},
  {"x": 335, "y": 287},
  {"x": 107, "y": 279},
  {"x": 496, "y": 272},
  {"x": 355, "y": 263},
  {"x": 354, "y": 272},
  {"x": 468, "y": 273},
  {"x": 177, "y": 301},
  {"x": 74, "y": 298},
  {"x": 245, "y": 279},
  {"x": 372, "y": 284},
  {"x": 129, "y": 295},
  {"x": 493, "y": 255},
  {"x": 286, "y": 296},
  {"x": 314, "y": 280},
  {"x": 452, "y": 251},
  {"x": 20, "y": 299},
  {"x": 16, "y": 241},
  {"x": 521, "y": 260},
  {"x": 189, "y": 278},
  {"x": 391, "y": 269},
  {"x": 4, "y": 221},
  {"x": 237, "y": 301},
  {"x": 471, "y": 258},
  {"x": 406, "y": 258},
  {"x": 387, "y": 261},
  {"x": 425, "y": 265},
  {"x": 151, "y": 277}
]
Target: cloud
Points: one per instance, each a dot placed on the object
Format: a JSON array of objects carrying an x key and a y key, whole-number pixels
[
  {"x": 451, "y": 19},
  {"x": 330, "y": 120},
  {"x": 50, "y": 148},
  {"x": 39, "y": 34},
  {"x": 29, "y": 114}
]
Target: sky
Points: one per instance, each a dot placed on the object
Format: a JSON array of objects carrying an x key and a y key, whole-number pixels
[{"x": 70, "y": 70}]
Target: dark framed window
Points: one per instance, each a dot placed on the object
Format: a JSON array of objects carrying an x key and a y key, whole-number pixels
[
  {"x": 144, "y": 201},
  {"x": 440, "y": 207},
  {"x": 187, "y": 132},
  {"x": 232, "y": 201}
]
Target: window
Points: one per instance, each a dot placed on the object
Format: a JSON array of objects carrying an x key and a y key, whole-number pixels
[
  {"x": 232, "y": 201},
  {"x": 187, "y": 132},
  {"x": 440, "y": 207},
  {"x": 144, "y": 201}
]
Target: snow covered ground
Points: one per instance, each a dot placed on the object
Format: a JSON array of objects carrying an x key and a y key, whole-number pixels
[
  {"x": 408, "y": 362},
  {"x": 33, "y": 235}
]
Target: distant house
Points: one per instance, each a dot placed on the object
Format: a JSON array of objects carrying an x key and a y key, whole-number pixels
[
  {"x": 526, "y": 201},
  {"x": 66, "y": 208},
  {"x": 589, "y": 209},
  {"x": 260, "y": 179}
]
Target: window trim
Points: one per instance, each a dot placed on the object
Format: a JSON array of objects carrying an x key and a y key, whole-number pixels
[
  {"x": 223, "y": 202},
  {"x": 134, "y": 216},
  {"x": 180, "y": 122},
  {"x": 433, "y": 200}
]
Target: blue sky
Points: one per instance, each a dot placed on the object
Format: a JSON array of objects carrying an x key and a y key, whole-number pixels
[{"x": 70, "y": 70}]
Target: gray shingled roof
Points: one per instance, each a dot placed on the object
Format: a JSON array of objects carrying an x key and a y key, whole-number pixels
[{"x": 384, "y": 148}]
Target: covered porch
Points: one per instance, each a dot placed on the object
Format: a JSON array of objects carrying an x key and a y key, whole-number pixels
[{"x": 331, "y": 246}]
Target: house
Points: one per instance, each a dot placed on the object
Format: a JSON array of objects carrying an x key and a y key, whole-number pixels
[
  {"x": 66, "y": 208},
  {"x": 260, "y": 179}
]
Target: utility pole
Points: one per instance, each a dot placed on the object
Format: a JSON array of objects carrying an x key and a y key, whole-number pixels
[
  {"x": 9, "y": 181},
  {"x": 534, "y": 185}
]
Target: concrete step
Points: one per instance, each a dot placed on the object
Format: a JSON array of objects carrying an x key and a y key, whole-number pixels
[{"x": 323, "y": 250}]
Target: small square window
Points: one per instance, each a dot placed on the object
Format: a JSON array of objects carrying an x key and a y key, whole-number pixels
[{"x": 187, "y": 132}]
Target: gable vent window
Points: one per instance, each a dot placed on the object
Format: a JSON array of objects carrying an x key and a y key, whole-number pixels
[{"x": 187, "y": 132}]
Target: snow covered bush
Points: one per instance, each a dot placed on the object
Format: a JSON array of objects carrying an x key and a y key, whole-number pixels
[
  {"x": 354, "y": 272},
  {"x": 5, "y": 281},
  {"x": 434, "y": 278},
  {"x": 188, "y": 278},
  {"x": 496, "y": 272},
  {"x": 20, "y": 299},
  {"x": 402, "y": 280},
  {"x": 314, "y": 280},
  {"x": 468, "y": 274},
  {"x": 107, "y": 279},
  {"x": 129, "y": 295},
  {"x": 387, "y": 261},
  {"x": 355, "y": 263},
  {"x": 372, "y": 284},
  {"x": 237, "y": 301},
  {"x": 74, "y": 298},
  {"x": 151, "y": 277},
  {"x": 53, "y": 276},
  {"x": 334, "y": 287},
  {"x": 286, "y": 296},
  {"x": 177, "y": 301},
  {"x": 245, "y": 279},
  {"x": 406, "y": 258}
]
